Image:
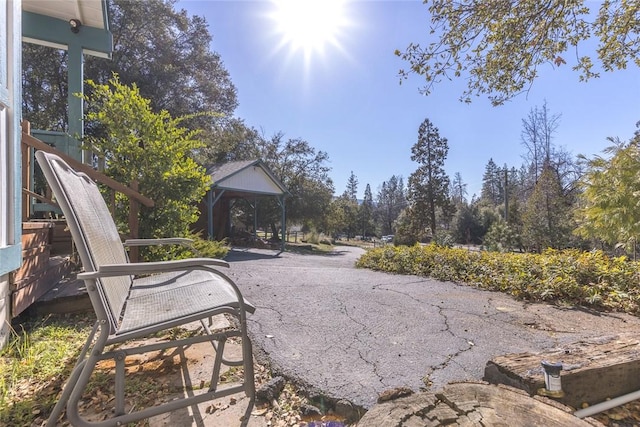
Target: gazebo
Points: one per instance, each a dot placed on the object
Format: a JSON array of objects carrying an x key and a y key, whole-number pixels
[{"x": 250, "y": 180}]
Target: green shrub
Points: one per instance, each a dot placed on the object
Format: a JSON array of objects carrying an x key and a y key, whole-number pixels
[
  {"x": 444, "y": 238},
  {"x": 200, "y": 248},
  {"x": 567, "y": 277},
  {"x": 152, "y": 149},
  {"x": 326, "y": 241},
  {"x": 501, "y": 238},
  {"x": 210, "y": 248},
  {"x": 313, "y": 238}
]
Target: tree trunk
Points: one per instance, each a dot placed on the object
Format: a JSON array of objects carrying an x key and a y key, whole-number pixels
[{"x": 274, "y": 232}]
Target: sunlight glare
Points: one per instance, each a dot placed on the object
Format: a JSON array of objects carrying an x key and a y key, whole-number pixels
[{"x": 309, "y": 25}]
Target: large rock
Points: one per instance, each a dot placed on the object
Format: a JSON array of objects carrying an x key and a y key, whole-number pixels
[{"x": 473, "y": 404}]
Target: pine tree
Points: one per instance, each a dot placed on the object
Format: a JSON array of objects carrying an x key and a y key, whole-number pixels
[
  {"x": 352, "y": 187},
  {"x": 391, "y": 200},
  {"x": 459, "y": 190},
  {"x": 429, "y": 184},
  {"x": 546, "y": 215},
  {"x": 492, "y": 192},
  {"x": 366, "y": 213}
]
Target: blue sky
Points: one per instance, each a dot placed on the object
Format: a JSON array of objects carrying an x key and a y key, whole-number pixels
[{"x": 345, "y": 98}]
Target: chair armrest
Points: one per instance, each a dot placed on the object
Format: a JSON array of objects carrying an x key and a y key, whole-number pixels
[
  {"x": 155, "y": 242},
  {"x": 112, "y": 270}
]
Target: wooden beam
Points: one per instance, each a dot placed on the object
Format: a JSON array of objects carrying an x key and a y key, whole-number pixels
[
  {"x": 93, "y": 174},
  {"x": 26, "y": 180},
  {"x": 134, "y": 209},
  {"x": 40, "y": 197}
]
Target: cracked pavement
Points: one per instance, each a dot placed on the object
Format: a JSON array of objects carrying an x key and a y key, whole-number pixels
[{"x": 352, "y": 333}]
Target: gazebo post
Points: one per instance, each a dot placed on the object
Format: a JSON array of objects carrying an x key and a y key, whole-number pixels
[
  {"x": 283, "y": 221},
  {"x": 209, "y": 214},
  {"x": 211, "y": 201},
  {"x": 255, "y": 218}
]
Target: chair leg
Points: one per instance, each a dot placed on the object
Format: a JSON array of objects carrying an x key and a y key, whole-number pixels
[
  {"x": 81, "y": 375},
  {"x": 73, "y": 378},
  {"x": 89, "y": 365},
  {"x": 52, "y": 421},
  {"x": 249, "y": 375},
  {"x": 215, "y": 375}
]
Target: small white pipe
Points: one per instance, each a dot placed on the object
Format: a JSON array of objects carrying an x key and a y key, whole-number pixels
[{"x": 607, "y": 404}]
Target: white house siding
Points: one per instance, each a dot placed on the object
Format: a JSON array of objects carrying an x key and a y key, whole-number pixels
[{"x": 10, "y": 134}]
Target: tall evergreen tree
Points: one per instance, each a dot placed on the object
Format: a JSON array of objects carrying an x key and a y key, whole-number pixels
[
  {"x": 459, "y": 190},
  {"x": 492, "y": 192},
  {"x": 366, "y": 213},
  {"x": 352, "y": 187},
  {"x": 350, "y": 206},
  {"x": 391, "y": 200},
  {"x": 429, "y": 184},
  {"x": 546, "y": 219}
]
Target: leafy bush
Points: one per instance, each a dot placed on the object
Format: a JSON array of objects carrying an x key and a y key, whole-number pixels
[
  {"x": 313, "y": 238},
  {"x": 199, "y": 248},
  {"x": 568, "y": 276},
  {"x": 151, "y": 149},
  {"x": 326, "y": 241},
  {"x": 501, "y": 237},
  {"x": 444, "y": 238},
  {"x": 210, "y": 248}
]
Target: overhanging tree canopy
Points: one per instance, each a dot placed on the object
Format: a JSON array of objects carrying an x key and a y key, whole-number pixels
[{"x": 498, "y": 45}]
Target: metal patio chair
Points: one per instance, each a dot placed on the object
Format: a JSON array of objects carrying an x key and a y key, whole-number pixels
[{"x": 169, "y": 294}]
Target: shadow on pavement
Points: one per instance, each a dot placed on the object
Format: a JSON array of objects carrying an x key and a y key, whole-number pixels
[
  {"x": 244, "y": 254},
  {"x": 249, "y": 254}
]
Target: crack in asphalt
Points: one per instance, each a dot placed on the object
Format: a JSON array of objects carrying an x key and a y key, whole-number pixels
[
  {"x": 264, "y": 307},
  {"x": 356, "y": 337},
  {"x": 448, "y": 358}
]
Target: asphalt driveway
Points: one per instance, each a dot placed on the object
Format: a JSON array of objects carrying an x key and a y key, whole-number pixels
[{"x": 353, "y": 333}]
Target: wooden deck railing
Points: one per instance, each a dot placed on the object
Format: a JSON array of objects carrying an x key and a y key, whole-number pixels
[{"x": 29, "y": 143}]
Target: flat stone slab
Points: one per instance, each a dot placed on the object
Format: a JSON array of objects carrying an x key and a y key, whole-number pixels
[
  {"x": 593, "y": 369},
  {"x": 473, "y": 404}
]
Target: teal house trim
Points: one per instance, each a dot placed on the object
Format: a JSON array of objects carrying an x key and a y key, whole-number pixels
[{"x": 55, "y": 32}]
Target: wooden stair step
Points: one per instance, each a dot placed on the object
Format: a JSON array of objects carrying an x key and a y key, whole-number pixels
[
  {"x": 29, "y": 289},
  {"x": 67, "y": 296}
]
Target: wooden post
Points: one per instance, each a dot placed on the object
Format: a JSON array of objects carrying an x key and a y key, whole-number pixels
[
  {"x": 112, "y": 203},
  {"x": 27, "y": 159},
  {"x": 134, "y": 209}
]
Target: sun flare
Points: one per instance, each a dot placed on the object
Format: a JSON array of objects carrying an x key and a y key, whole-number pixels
[{"x": 309, "y": 25}]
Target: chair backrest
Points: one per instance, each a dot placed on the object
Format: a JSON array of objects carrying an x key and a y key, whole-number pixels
[{"x": 93, "y": 231}]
